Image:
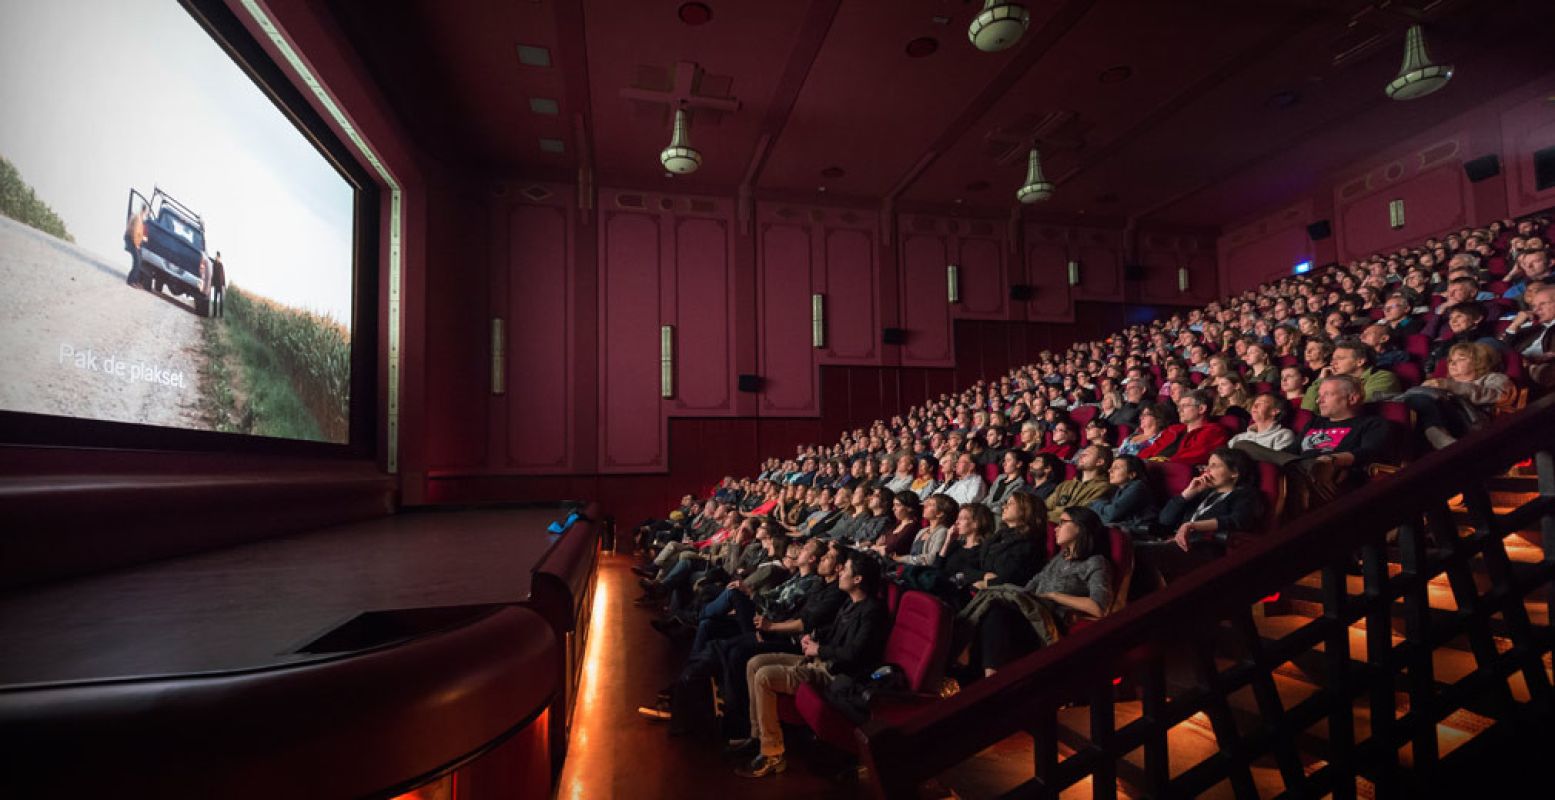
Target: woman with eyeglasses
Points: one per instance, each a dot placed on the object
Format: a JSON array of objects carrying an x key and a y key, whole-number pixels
[
  {"x": 1011, "y": 621},
  {"x": 1153, "y": 419}
]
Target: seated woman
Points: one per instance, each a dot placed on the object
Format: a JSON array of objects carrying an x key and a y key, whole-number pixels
[
  {"x": 928, "y": 547},
  {"x": 1099, "y": 431},
  {"x": 960, "y": 561},
  {"x": 1260, "y": 369},
  {"x": 923, "y": 482},
  {"x": 1132, "y": 507},
  {"x": 898, "y": 536},
  {"x": 1220, "y": 503},
  {"x": 1231, "y": 397},
  {"x": 1473, "y": 392},
  {"x": 1066, "y": 440},
  {"x": 1153, "y": 419},
  {"x": 1011, "y": 479},
  {"x": 1011, "y": 621},
  {"x": 1012, "y": 554}
]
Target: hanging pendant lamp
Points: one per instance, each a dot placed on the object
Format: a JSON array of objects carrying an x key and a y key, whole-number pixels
[
  {"x": 1037, "y": 187},
  {"x": 680, "y": 157},
  {"x": 1418, "y": 77},
  {"x": 998, "y": 26}
]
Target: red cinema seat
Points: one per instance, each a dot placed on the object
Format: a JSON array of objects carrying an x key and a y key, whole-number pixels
[
  {"x": 1514, "y": 366},
  {"x": 1125, "y": 431},
  {"x": 990, "y": 473},
  {"x": 1272, "y": 484},
  {"x": 1408, "y": 372},
  {"x": 919, "y": 644},
  {"x": 1195, "y": 378},
  {"x": 1288, "y": 361},
  {"x": 1169, "y": 478},
  {"x": 1300, "y": 419},
  {"x": 1082, "y": 415},
  {"x": 1375, "y": 313},
  {"x": 1264, "y": 387},
  {"x": 1231, "y": 422},
  {"x": 1070, "y": 471},
  {"x": 1120, "y": 551},
  {"x": 1417, "y": 345}
]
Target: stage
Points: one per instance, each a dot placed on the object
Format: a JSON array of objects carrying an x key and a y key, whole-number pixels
[{"x": 436, "y": 635}]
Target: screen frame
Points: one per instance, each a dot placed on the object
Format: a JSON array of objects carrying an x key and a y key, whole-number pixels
[{"x": 229, "y": 33}]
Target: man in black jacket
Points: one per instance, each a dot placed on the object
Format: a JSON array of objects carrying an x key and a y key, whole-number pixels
[{"x": 851, "y": 645}]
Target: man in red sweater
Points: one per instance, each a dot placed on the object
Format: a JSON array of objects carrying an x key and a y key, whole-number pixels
[{"x": 1192, "y": 439}]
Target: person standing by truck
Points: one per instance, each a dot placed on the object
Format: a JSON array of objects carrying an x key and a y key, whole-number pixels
[
  {"x": 134, "y": 237},
  {"x": 218, "y": 287}
]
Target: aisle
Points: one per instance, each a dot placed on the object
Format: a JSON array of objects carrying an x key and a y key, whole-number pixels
[{"x": 616, "y": 753}]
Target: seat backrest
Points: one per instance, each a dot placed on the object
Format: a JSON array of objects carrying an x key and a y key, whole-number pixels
[
  {"x": 1300, "y": 420},
  {"x": 1272, "y": 483},
  {"x": 1408, "y": 372},
  {"x": 990, "y": 473},
  {"x": 1417, "y": 345},
  {"x": 920, "y": 639},
  {"x": 1231, "y": 422},
  {"x": 1070, "y": 471},
  {"x": 1082, "y": 415},
  {"x": 1170, "y": 477},
  {"x": 1514, "y": 365},
  {"x": 1124, "y": 431}
]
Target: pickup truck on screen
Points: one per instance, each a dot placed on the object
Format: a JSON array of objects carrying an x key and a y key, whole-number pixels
[{"x": 173, "y": 257}]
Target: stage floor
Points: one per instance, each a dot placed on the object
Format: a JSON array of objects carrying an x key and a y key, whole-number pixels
[{"x": 251, "y": 607}]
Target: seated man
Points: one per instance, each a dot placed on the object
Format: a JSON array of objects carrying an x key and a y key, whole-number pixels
[
  {"x": 1396, "y": 316},
  {"x": 1532, "y": 335},
  {"x": 1336, "y": 446},
  {"x": 968, "y": 486},
  {"x": 1382, "y": 342},
  {"x": 851, "y": 645},
  {"x": 1192, "y": 439},
  {"x": 1089, "y": 484},
  {"x": 1533, "y": 266},
  {"x": 1354, "y": 359}
]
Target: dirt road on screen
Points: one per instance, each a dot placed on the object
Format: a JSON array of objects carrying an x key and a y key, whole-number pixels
[{"x": 76, "y": 341}]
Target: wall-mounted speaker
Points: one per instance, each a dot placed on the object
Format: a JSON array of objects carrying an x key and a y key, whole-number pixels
[
  {"x": 1320, "y": 230},
  {"x": 1482, "y": 168},
  {"x": 1543, "y": 169},
  {"x": 750, "y": 383},
  {"x": 893, "y": 335},
  {"x": 1021, "y": 291},
  {"x": 1133, "y": 272}
]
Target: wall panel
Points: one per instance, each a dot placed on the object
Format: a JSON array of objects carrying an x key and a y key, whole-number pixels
[
  {"x": 1526, "y": 128},
  {"x": 852, "y": 297},
  {"x": 704, "y": 363},
  {"x": 1047, "y": 271},
  {"x": 631, "y": 426},
  {"x": 786, "y": 360},
  {"x": 925, "y": 310},
  {"x": 984, "y": 285},
  {"x": 538, "y": 405}
]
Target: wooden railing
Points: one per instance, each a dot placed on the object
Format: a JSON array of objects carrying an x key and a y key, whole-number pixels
[{"x": 1186, "y": 650}]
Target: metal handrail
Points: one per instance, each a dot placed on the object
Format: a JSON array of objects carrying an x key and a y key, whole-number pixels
[{"x": 1025, "y": 695}]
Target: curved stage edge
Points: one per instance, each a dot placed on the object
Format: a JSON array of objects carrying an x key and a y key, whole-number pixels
[{"x": 436, "y": 654}]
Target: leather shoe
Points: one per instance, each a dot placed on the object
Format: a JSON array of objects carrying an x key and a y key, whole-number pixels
[{"x": 762, "y": 766}]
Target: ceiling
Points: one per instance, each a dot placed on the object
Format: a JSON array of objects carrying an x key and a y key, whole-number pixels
[{"x": 1192, "y": 112}]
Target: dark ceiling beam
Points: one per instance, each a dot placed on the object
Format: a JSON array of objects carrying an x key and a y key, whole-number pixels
[
  {"x": 572, "y": 59},
  {"x": 1029, "y": 54},
  {"x": 801, "y": 59},
  {"x": 1264, "y": 48}
]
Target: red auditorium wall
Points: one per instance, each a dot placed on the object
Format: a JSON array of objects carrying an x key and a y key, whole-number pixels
[
  {"x": 584, "y": 290},
  {"x": 1425, "y": 171}
]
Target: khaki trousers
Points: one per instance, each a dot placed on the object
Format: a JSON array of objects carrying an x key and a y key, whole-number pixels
[{"x": 768, "y": 675}]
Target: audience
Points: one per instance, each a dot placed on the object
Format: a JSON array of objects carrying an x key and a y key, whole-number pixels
[{"x": 778, "y": 575}]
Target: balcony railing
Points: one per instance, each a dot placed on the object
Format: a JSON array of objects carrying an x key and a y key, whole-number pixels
[{"x": 1399, "y": 575}]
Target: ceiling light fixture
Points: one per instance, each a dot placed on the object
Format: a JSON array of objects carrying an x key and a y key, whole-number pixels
[
  {"x": 1037, "y": 187},
  {"x": 680, "y": 157},
  {"x": 1418, "y": 77},
  {"x": 998, "y": 26}
]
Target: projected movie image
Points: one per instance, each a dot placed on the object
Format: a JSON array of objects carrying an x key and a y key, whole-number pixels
[{"x": 173, "y": 251}]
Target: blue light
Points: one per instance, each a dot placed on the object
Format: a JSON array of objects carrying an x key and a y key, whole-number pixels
[{"x": 1303, "y": 268}]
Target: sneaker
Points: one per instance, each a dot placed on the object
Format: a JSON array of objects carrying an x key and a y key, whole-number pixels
[
  {"x": 645, "y": 570},
  {"x": 742, "y": 747},
  {"x": 762, "y": 766},
  {"x": 658, "y": 712}
]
